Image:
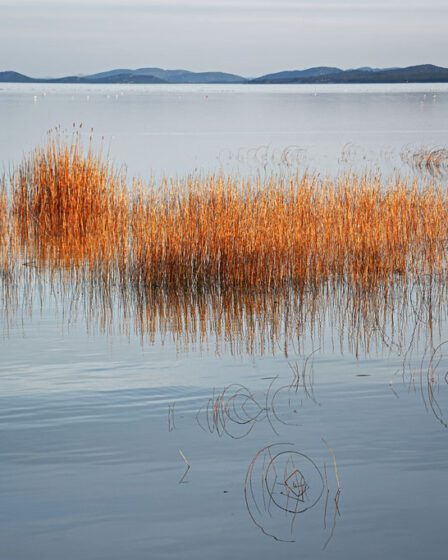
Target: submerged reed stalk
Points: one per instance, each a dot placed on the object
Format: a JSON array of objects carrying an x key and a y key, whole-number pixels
[{"x": 432, "y": 160}]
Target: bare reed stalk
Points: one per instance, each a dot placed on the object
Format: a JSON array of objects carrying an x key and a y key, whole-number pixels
[
  {"x": 6, "y": 257},
  {"x": 4, "y": 224}
]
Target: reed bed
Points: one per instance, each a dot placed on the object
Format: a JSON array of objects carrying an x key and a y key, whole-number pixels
[
  {"x": 251, "y": 234},
  {"x": 70, "y": 208},
  {"x": 242, "y": 258}
]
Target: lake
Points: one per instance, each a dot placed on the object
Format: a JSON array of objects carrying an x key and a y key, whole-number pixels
[
  {"x": 197, "y": 427},
  {"x": 169, "y": 130}
]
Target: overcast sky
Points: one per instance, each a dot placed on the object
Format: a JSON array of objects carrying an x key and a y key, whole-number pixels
[{"x": 250, "y": 37}]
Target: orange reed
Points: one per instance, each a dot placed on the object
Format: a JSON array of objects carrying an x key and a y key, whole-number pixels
[{"x": 71, "y": 209}]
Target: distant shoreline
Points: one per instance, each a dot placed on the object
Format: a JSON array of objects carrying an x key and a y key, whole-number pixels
[{"x": 422, "y": 74}]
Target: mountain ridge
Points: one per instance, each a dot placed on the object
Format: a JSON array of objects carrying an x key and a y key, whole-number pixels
[{"x": 423, "y": 73}]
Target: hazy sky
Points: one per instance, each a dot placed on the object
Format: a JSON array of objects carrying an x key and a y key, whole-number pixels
[{"x": 251, "y": 37}]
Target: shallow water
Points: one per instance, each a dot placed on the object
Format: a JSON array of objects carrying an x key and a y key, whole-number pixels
[
  {"x": 91, "y": 464},
  {"x": 95, "y": 414}
]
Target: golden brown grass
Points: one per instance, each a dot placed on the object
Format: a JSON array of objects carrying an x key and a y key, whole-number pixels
[
  {"x": 229, "y": 233},
  {"x": 248, "y": 261},
  {"x": 4, "y": 229},
  {"x": 3, "y": 215},
  {"x": 69, "y": 208}
]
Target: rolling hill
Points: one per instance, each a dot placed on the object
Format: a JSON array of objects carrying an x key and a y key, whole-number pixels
[{"x": 424, "y": 73}]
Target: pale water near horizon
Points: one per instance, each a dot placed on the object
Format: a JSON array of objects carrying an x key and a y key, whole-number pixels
[
  {"x": 180, "y": 129},
  {"x": 100, "y": 413}
]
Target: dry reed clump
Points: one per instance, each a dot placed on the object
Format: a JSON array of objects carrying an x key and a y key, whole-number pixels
[{"x": 71, "y": 209}]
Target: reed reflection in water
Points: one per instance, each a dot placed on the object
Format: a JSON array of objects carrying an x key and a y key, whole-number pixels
[
  {"x": 251, "y": 265},
  {"x": 399, "y": 319}
]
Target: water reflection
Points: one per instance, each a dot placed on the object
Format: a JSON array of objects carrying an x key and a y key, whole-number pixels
[
  {"x": 433, "y": 383},
  {"x": 282, "y": 484},
  {"x": 235, "y": 410},
  {"x": 421, "y": 161},
  {"x": 404, "y": 321},
  {"x": 398, "y": 318}
]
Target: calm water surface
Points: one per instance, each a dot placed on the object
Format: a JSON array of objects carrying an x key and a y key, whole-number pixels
[
  {"x": 157, "y": 130},
  {"x": 97, "y": 420}
]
